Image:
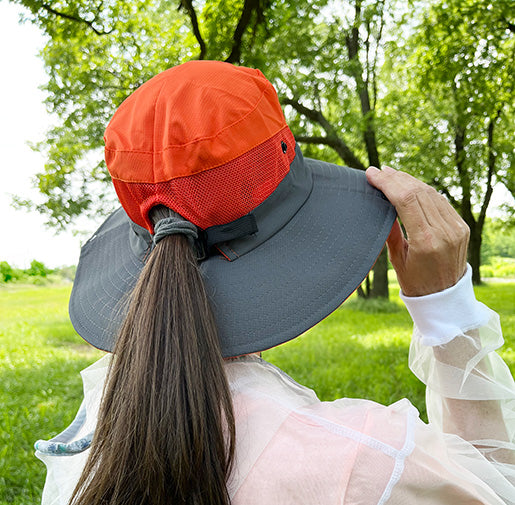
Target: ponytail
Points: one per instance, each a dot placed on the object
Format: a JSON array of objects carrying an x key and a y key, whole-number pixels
[{"x": 165, "y": 433}]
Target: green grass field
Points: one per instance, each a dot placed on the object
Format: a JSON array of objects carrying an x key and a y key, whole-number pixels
[{"x": 359, "y": 351}]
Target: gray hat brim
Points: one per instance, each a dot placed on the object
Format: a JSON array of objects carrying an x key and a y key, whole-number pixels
[{"x": 303, "y": 263}]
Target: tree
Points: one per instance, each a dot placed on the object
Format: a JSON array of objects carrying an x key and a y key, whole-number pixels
[
  {"x": 38, "y": 269},
  {"x": 322, "y": 59},
  {"x": 325, "y": 64},
  {"x": 455, "y": 108},
  {"x": 97, "y": 54}
]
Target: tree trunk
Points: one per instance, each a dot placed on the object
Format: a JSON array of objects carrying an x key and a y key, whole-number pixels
[
  {"x": 364, "y": 292},
  {"x": 353, "y": 41},
  {"x": 476, "y": 225},
  {"x": 380, "y": 282},
  {"x": 474, "y": 252},
  {"x": 476, "y": 229}
]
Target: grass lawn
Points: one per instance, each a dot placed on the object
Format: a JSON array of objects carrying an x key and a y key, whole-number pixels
[{"x": 359, "y": 351}]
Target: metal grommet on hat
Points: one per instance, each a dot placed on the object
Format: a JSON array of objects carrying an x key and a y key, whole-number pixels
[{"x": 284, "y": 239}]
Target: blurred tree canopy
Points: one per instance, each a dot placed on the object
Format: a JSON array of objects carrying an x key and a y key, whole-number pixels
[
  {"x": 454, "y": 100},
  {"x": 498, "y": 241},
  {"x": 425, "y": 85}
]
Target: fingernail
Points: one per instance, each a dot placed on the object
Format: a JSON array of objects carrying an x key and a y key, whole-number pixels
[
  {"x": 373, "y": 169},
  {"x": 386, "y": 168}
]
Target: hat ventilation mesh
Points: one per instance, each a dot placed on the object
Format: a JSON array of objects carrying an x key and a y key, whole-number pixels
[{"x": 219, "y": 195}]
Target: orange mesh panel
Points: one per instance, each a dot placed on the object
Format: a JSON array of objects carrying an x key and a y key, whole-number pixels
[{"x": 215, "y": 196}]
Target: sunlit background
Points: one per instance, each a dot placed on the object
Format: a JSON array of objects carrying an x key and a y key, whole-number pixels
[{"x": 24, "y": 119}]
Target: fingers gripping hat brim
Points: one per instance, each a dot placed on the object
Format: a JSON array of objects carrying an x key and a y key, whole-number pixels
[{"x": 308, "y": 256}]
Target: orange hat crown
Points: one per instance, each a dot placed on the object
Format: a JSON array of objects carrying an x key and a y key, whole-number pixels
[{"x": 206, "y": 139}]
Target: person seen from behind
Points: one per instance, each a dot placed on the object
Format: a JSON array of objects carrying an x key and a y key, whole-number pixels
[{"x": 229, "y": 242}]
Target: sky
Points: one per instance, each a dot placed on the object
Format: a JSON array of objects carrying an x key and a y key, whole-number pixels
[{"x": 24, "y": 119}]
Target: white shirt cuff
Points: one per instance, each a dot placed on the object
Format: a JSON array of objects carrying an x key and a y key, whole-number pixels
[{"x": 440, "y": 317}]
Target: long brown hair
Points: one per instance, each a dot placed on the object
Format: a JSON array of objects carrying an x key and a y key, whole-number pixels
[{"x": 165, "y": 433}]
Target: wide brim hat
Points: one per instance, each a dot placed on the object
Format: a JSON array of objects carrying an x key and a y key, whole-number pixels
[{"x": 316, "y": 234}]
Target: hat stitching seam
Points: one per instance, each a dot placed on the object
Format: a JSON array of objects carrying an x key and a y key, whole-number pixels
[
  {"x": 209, "y": 137},
  {"x": 107, "y": 293},
  {"x": 200, "y": 170},
  {"x": 233, "y": 251},
  {"x": 154, "y": 127}
]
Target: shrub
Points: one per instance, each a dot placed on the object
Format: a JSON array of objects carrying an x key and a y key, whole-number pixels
[
  {"x": 37, "y": 273},
  {"x": 6, "y": 271},
  {"x": 506, "y": 270},
  {"x": 487, "y": 271},
  {"x": 38, "y": 269},
  {"x": 499, "y": 267},
  {"x": 9, "y": 273}
]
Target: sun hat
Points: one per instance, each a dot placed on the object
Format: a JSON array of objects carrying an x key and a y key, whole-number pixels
[{"x": 283, "y": 240}]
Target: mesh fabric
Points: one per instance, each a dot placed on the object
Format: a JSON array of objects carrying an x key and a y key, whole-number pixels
[{"x": 216, "y": 196}]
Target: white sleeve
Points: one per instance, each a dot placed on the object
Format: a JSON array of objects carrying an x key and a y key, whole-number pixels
[{"x": 470, "y": 390}]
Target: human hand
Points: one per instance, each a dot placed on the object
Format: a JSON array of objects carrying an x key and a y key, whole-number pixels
[{"x": 433, "y": 256}]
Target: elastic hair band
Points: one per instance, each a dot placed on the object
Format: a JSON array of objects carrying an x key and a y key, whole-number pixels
[{"x": 174, "y": 226}]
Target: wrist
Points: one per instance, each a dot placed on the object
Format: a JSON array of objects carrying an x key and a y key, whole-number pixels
[{"x": 440, "y": 317}]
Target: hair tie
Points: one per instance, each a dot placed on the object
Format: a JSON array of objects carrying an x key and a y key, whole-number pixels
[{"x": 174, "y": 226}]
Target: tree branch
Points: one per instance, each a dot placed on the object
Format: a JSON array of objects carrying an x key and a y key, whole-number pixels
[
  {"x": 492, "y": 157},
  {"x": 352, "y": 38},
  {"x": 459, "y": 159},
  {"x": 338, "y": 145},
  {"x": 190, "y": 10},
  {"x": 374, "y": 62},
  {"x": 367, "y": 54},
  {"x": 249, "y": 7},
  {"x": 314, "y": 115},
  {"x": 76, "y": 19},
  {"x": 331, "y": 139},
  {"x": 352, "y": 41},
  {"x": 443, "y": 189}
]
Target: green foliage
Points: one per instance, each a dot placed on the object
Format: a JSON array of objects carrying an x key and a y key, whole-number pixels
[
  {"x": 498, "y": 251},
  {"x": 498, "y": 267},
  {"x": 38, "y": 269},
  {"x": 309, "y": 61},
  {"x": 498, "y": 240},
  {"x": 452, "y": 99},
  {"x": 7, "y": 273},
  {"x": 37, "y": 273},
  {"x": 452, "y": 74},
  {"x": 66, "y": 273}
]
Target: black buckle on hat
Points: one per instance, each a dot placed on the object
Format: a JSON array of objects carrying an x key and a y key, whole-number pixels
[{"x": 208, "y": 238}]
